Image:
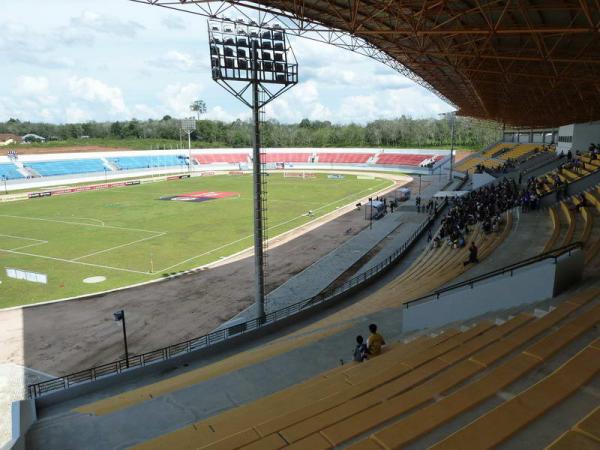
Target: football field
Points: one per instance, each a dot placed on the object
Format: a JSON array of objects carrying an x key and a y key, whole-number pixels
[{"x": 133, "y": 234}]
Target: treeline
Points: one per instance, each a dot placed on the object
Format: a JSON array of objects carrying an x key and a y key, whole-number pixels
[{"x": 401, "y": 132}]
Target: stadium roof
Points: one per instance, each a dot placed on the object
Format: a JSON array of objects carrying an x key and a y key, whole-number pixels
[{"x": 522, "y": 62}]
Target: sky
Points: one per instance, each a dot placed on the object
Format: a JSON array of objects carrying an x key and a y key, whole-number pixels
[{"x": 80, "y": 60}]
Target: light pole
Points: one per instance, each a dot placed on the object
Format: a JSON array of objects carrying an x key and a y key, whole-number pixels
[
  {"x": 452, "y": 117},
  {"x": 256, "y": 64},
  {"x": 5, "y": 188},
  {"x": 120, "y": 317},
  {"x": 189, "y": 125}
]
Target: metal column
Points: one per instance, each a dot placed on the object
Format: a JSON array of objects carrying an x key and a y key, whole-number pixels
[
  {"x": 257, "y": 182},
  {"x": 452, "y": 148}
]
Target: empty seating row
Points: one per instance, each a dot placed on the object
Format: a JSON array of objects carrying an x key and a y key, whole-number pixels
[
  {"x": 580, "y": 167},
  {"x": 574, "y": 221},
  {"x": 235, "y": 362},
  {"x": 502, "y": 146},
  {"x": 431, "y": 270},
  {"x": 9, "y": 172},
  {"x": 146, "y": 162},
  {"x": 520, "y": 150},
  {"x": 215, "y": 158},
  {"x": 66, "y": 167},
  {"x": 412, "y": 389},
  {"x": 469, "y": 165},
  {"x": 584, "y": 435},
  {"x": 285, "y": 157},
  {"x": 399, "y": 159},
  {"x": 344, "y": 158}
]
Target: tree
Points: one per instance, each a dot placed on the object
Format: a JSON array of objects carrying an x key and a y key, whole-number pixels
[{"x": 199, "y": 107}]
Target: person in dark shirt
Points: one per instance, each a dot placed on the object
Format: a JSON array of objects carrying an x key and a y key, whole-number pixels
[
  {"x": 472, "y": 255},
  {"x": 360, "y": 351}
]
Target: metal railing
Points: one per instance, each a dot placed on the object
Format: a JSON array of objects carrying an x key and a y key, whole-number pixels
[
  {"x": 552, "y": 254},
  {"x": 136, "y": 361}
]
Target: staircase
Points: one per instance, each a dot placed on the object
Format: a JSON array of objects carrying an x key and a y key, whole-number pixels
[
  {"x": 109, "y": 165},
  {"x": 25, "y": 171}
]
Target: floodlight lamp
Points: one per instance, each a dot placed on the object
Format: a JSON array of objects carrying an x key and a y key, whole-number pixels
[
  {"x": 243, "y": 52},
  {"x": 118, "y": 316}
]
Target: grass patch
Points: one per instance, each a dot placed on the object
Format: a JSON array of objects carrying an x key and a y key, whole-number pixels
[{"x": 129, "y": 236}]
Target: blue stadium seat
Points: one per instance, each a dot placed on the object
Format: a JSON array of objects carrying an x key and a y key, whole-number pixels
[
  {"x": 9, "y": 172},
  {"x": 67, "y": 167},
  {"x": 146, "y": 162}
]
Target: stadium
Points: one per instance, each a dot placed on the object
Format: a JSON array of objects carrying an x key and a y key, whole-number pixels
[{"x": 322, "y": 297}]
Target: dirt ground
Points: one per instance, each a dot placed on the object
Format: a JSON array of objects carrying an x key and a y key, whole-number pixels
[{"x": 63, "y": 337}]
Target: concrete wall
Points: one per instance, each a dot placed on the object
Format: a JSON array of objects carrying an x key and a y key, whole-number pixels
[
  {"x": 23, "y": 416},
  {"x": 564, "y": 131},
  {"x": 569, "y": 270},
  {"x": 526, "y": 285},
  {"x": 582, "y": 135}
]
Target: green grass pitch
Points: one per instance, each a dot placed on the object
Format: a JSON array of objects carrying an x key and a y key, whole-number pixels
[{"x": 130, "y": 236}]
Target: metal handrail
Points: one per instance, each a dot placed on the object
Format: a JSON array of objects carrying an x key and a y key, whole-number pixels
[
  {"x": 135, "y": 361},
  {"x": 552, "y": 254}
]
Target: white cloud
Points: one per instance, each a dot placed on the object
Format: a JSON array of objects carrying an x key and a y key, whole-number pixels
[
  {"x": 301, "y": 101},
  {"x": 219, "y": 113},
  {"x": 92, "y": 90},
  {"x": 74, "y": 113},
  {"x": 106, "y": 24},
  {"x": 414, "y": 102},
  {"x": 31, "y": 85},
  {"x": 144, "y": 111},
  {"x": 178, "y": 97},
  {"x": 173, "y": 22},
  {"x": 176, "y": 60}
]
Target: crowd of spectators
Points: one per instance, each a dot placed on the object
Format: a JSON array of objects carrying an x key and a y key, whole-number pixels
[
  {"x": 555, "y": 181},
  {"x": 484, "y": 205}
]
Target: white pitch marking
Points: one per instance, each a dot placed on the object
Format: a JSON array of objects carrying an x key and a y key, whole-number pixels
[
  {"x": 74, "y": 262},
  {"x": 250, "y": 235},
  {"x": 36, "y": 241},
  {"x": 22, "y": 237},
  {"x": 30, "y": 245},
  {"x": 90, "y": 218},
  {"x": 80, "y": 223},
  {"x": 118, "y": 246}
]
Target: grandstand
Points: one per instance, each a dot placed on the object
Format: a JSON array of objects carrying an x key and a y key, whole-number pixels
[
  {"x": 404, "y": 160},
  {"x": 146, "y": 162},
  {"x": 209, "y": 158},
  {"x": 110, "y": 163},
  {"x": 344, "y": 158},
  {"x": 271, "y": 157},
  {"x": 66, "y": 167},
  {"x": 9, "y": 172},
  {"x": 497, "y": 156},
  {"x": 473, "y": 364}
]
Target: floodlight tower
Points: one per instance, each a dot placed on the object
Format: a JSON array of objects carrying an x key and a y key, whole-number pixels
[
  {"x": 189, "y": 126},
  {"x": 256, "y": 64}
]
